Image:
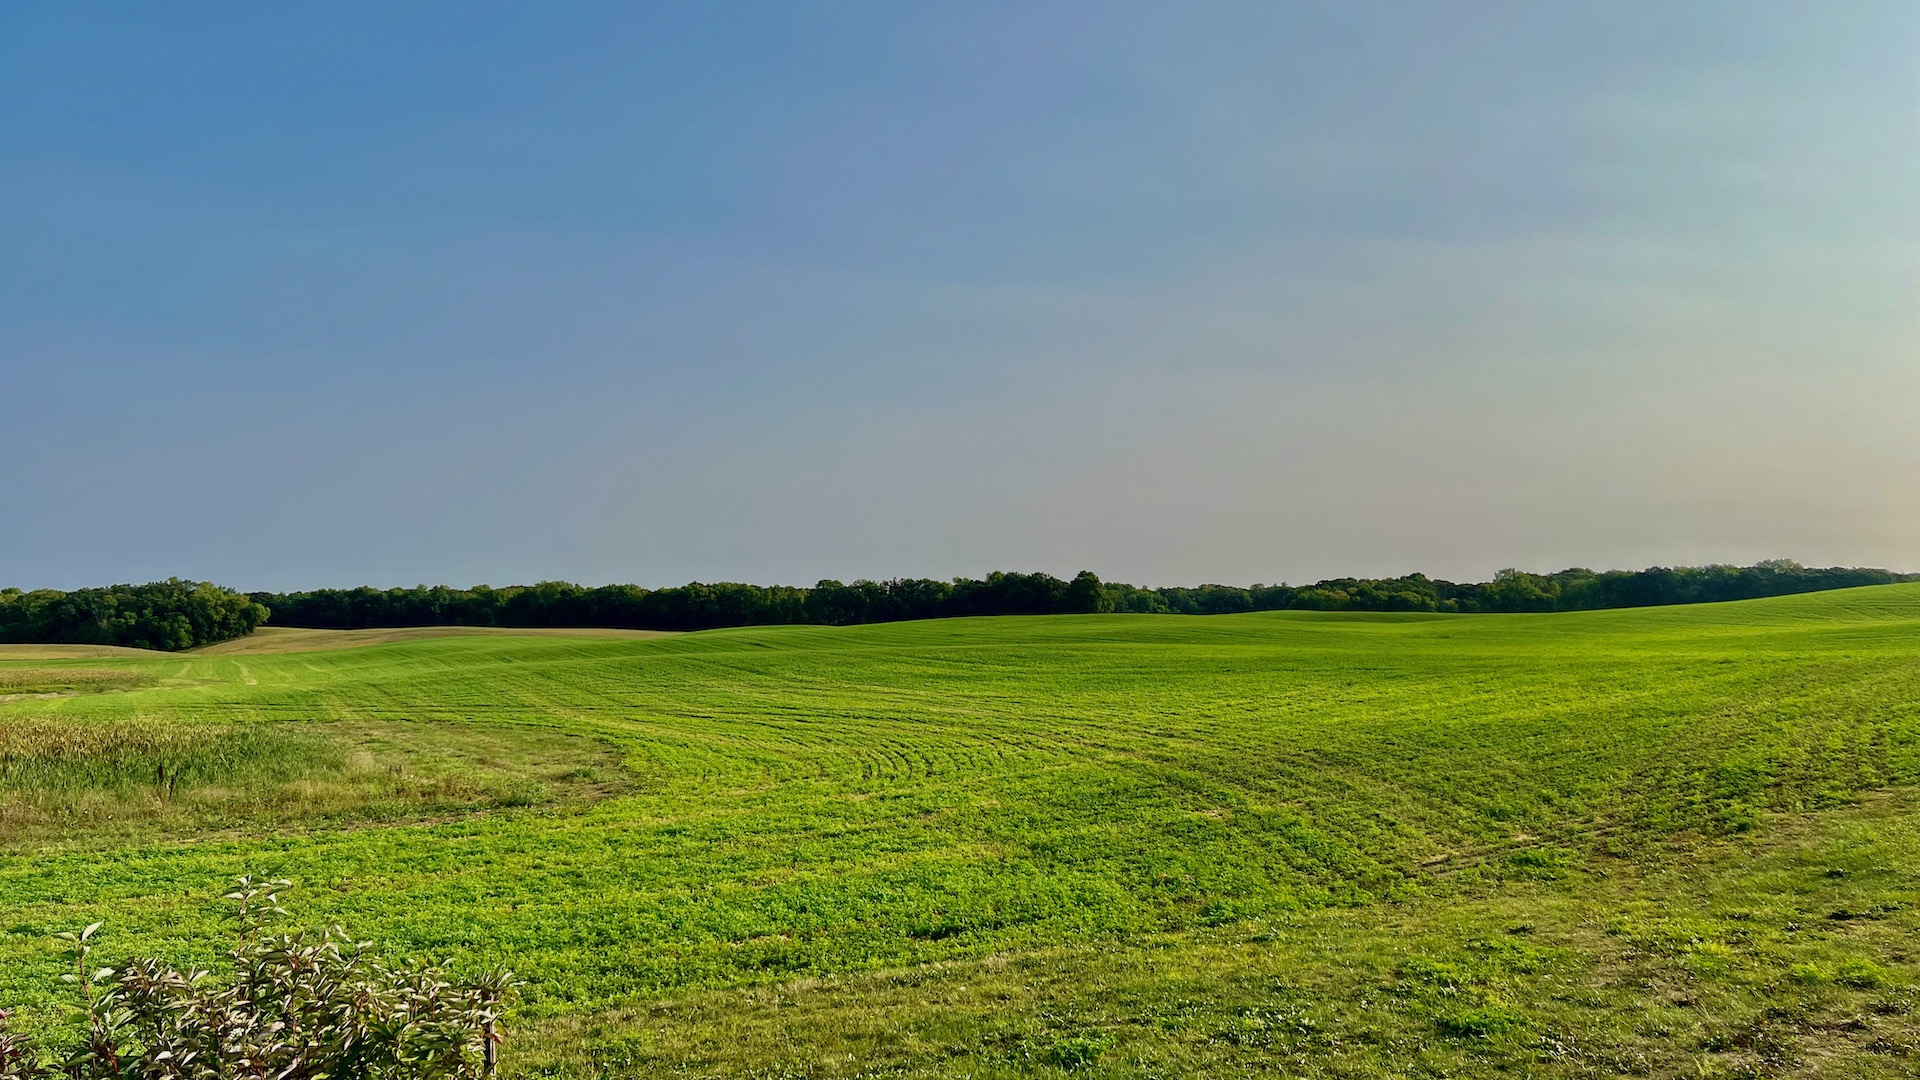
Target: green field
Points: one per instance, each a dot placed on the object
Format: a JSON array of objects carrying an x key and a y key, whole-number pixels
[{"x": 1680, "y": 841}]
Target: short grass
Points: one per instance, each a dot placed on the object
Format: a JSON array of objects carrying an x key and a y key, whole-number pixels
[
  {"x": 1663, "y": 842},
  {"x": 18, "y": 680},
  {"x": 279, "y": 639},
  {"x": 14, "y": 651}
]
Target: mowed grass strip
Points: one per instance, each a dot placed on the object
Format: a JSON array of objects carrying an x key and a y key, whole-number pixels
[
  {"x": 813, "y": 802},
  {"x": 283, "y": 639},
  {"x": 1781, "y": 951}
]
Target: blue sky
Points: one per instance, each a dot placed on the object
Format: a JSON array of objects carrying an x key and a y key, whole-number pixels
[{"x": 372, "y": 293}]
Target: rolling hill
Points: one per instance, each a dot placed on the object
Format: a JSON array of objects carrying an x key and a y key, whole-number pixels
[{"x": 1346, "y": 844}]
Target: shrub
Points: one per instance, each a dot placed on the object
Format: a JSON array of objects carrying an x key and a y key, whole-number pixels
[{"x": 295, "y": 1006}]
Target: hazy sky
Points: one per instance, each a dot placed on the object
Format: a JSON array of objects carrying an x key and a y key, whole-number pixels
[{"x": 347, "y": 293}]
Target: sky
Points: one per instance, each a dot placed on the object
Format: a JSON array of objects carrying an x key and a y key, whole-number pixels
[{"x": 365, "y": 293}]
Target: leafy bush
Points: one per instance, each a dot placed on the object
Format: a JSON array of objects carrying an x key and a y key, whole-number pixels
[{"x": 295, "y": 1007}]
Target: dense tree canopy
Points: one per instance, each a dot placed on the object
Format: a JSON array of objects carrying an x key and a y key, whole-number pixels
[
  {"x": 701, "y": 606},
  {"x": 171, "y": 614},
  {"x": 176, "y": 614}
]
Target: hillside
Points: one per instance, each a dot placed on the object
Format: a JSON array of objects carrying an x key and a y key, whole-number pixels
[
  {"x": 1577, "y": 843},
  {"x": 283, "y": 639}
]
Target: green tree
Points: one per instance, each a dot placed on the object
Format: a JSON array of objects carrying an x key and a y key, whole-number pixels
[{"x": 1085, "y": 594}]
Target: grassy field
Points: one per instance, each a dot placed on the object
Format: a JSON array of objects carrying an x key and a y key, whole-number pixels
[{"x": 1680, "y": 841}]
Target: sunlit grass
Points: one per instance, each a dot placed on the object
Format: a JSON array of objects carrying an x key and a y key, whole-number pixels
[
  {"x": 86, "y": 780},
  {"x": 1130, "y": 844},
  {"x": 59, "y": 758},
  {"x": 21, "y": 679}
]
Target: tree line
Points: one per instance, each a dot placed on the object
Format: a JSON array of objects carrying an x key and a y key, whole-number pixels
[
  {"x": 176, "y": 614},
  {"x": 706, "y": 606},
  {"x": 171, "y": 614}
]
